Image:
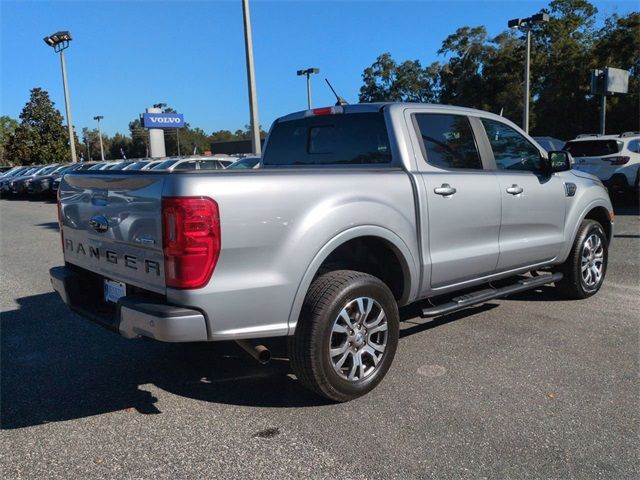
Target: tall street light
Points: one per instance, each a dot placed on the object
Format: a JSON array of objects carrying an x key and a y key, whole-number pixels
[
  {"x": 525, "y": 24},
  {"x": 60, "y": 41},
  {"x": 251, "y": 80},
  {"x": 307, "y": 73},
  {"x": 98, "y": 118}
]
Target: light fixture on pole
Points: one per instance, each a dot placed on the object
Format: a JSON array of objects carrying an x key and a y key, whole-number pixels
[
  {"x": 525, "y": 25},
  {"x": 59, "y": 41},
  {"x": 98, "y": 118},
  {"x": 308, "y": 72},
  {"x": 251, "y": 80}
]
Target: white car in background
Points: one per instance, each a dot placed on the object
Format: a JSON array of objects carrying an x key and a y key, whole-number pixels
[
  {"x": 246, "y": 163},
  {"x": 194, "y": 163},
  {"x": 614, "y": 159}
]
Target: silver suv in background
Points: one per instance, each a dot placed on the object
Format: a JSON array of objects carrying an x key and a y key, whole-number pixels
[
  {"x": 193, "y": 163},
  {"x": 614, "y": 159}
]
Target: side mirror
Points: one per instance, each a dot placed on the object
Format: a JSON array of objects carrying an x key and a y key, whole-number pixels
[{"x": 559, "y": 161}]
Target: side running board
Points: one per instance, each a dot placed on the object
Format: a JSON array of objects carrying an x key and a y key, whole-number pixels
[{"x": 481, "y": 296}]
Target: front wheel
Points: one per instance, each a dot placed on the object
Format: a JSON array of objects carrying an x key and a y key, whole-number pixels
[
  {"x": 346, "y": 336},
  {"x": 586, "y": 266}
]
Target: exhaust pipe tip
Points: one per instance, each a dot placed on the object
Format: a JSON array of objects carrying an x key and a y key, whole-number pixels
[{"x": 261, "y": 353}]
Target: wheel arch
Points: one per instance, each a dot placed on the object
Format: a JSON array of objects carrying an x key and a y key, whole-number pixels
[
  {"x": 600, "y": 215},
  {"x": 371, "y": 236},
  {"x": 598, "y": 211}
]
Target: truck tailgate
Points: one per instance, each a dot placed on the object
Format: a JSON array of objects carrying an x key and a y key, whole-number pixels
[{"x": 111, "y": 225}]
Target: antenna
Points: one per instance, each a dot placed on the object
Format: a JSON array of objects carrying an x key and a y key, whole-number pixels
[{"x": 340, "y": 100}]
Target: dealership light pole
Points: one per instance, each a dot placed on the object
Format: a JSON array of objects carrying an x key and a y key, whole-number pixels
[
  {"x": 525, "y": 24},
  {"x": 60, "y": 41},
  {"x": 251, "y": 80},
  {"x": 98, "y": 118},
  {"x": 308, "y": 72}
]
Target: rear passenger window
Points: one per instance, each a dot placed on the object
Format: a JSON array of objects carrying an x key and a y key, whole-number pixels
[
  {"x": 448, "y": 141},
  {"x": 510, "y": 149}
]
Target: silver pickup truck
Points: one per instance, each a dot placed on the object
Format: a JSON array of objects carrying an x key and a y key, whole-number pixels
[{"x": 355, "y": 211}]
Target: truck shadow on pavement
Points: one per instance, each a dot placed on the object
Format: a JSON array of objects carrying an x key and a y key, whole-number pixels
[{"x": 57, "y": 366}]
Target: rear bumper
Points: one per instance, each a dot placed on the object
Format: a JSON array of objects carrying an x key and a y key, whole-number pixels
[{"x": 132, "y": 316}]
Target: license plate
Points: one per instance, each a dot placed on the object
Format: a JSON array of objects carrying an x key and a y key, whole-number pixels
[{"x": 113, "y": 290}]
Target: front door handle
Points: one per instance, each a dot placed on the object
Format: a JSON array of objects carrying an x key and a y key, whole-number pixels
[
  {"x": 445, "y": 189},
  {"x": 515, "y": 189}
]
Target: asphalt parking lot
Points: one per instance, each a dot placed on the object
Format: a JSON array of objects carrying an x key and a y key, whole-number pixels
[{"x": 528, "y": 387}]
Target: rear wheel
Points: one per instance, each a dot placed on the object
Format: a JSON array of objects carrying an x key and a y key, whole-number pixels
[
  {"x": 585, "y": 268},
  {"x": 346, "y": 336}
]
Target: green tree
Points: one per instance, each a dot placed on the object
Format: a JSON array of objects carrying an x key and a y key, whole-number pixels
[
  {"x": 461, "y": 79},
  {"x": 386, "y": 81},
  {"x": 8, "y": 126},
  {"x": 562, "y": 59},
  {"x": 91, "y": 145},
  {"x": 117, "y": 144},
  {"x": 40, "y": 137},
  {"x": 618, "y": 45},
  {"x": 487, "y": 73}
]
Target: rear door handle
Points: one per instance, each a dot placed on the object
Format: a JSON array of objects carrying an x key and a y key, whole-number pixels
[
  {"x": 445, "y": 189},
  {"x": 515, "y": 189}
]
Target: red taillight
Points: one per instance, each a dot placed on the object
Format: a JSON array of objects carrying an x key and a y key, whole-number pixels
[
  {"x": 618, "y": 160},
  {"x": 191, "y": 240}
]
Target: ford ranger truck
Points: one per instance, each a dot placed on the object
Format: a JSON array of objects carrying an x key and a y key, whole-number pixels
[{"x": 356, "y": 210}]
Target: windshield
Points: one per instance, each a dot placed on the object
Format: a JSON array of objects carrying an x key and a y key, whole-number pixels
[
  {"x": 163, "y": 165},
  {"x": 117, "y": 166},
  {"x": 61, "y": 169},
  {"x": 44, "y": 170},
  {"x": 98, "y": 166},
  {"x": 340, "y": 139},
  {"x": 593, "y": 148},
  {"x": 85, "y": 166},
  {"x": 18, "y": 172},
  {"x": 245, "y": 163},
  {"x": 136, "y": 166}
]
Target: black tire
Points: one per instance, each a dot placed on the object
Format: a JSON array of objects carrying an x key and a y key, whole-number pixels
[
  {"x": 309, "y": 347},
  {"x": 573, "y": 285}
]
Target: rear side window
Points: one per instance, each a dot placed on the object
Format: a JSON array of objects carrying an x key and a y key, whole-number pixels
[
  {"x": 340, "y": 139},
  {"x": 511, "y": 150},
  {"x": 634, "y": 146},
  {"x": 593, "y": 148},
  {"x": 210, "y": 165},
  {"x": 448, "y": 141}
]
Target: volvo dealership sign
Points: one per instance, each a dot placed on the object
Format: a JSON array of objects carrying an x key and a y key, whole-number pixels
[{"x": 163, "y": 120}]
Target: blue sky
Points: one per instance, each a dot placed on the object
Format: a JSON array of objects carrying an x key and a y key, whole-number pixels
[{"x": 128, "y": 55}]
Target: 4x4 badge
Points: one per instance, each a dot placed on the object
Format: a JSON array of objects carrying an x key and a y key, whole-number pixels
[{"x": 99, "y": 223}]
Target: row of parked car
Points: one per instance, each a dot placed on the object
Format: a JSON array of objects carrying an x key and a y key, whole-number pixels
[
  {"x": 45, "y": 179},
  {"x": 615, "y": 159}
]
